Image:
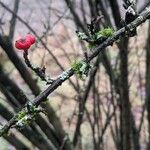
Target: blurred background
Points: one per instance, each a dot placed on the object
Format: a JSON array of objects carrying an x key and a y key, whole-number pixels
[{"x": 110, "y": 109}]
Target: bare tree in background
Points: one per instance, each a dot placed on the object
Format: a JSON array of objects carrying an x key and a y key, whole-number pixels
[{"x": 101, "y": 108}]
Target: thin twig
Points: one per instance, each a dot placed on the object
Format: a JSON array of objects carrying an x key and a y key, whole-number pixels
[{"x": 39, "y": 71}]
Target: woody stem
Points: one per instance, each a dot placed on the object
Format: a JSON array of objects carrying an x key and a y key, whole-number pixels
[{"x": 39, "y": 71}]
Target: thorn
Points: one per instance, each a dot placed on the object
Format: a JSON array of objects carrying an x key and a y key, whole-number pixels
[{"x": 43, "y": 69}]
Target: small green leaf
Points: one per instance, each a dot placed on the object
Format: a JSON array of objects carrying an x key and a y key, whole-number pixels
[
  {"x": 107, "y": 32},
  {"x": 81, "y": 68},
  {"x": 21, "y": 114}
]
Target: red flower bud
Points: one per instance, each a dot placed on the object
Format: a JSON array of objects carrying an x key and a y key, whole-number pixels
[
  {"x": 23, "y": 44},
  {"x": 31, "y": 38}
]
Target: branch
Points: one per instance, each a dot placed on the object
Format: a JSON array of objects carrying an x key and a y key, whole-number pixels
[
  {"x": 69, "y": 72},
  {"x": 39, "y": 71},
  {"x": 13, "y": 20}
]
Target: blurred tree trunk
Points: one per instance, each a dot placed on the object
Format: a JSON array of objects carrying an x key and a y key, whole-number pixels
[
  {"x": 124, "y": 97},
  {"x": 148, "y": 83},
  {"x": 13, "y": 20}
]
